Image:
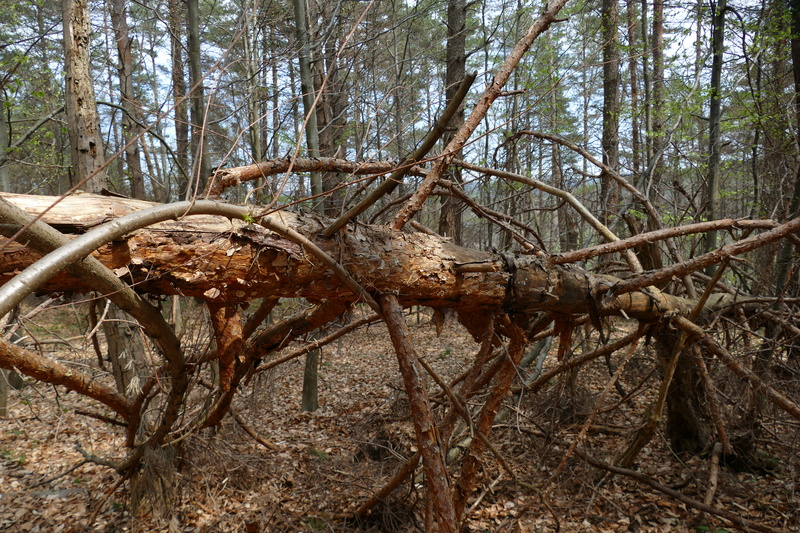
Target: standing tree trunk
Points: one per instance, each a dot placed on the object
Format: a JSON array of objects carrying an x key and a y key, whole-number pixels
[
  {"x": 5, "y": 183},
  {"x": 609, "y": 190},
  {"x": 689, "y": 427},
  {"x": 254, "y": 96},
  {"x": 636, "y": 155},
  {"x": 332, "y": 121},
  {"x": 309, "y": 400},
  {"x": 125, "y": 350},
  {"x": 86, "y": 143},
  {"x": 178, "y": 95},
  {"x": 785, "y": 255},
  {"x": 201, "y": 166},
  {"x": 130, "y": 126},
  {"x": 712, "y": 182},
  {"x": 450, "y": 216},
  {"x": 307, "y": 89},
  {"x": 657, "y": 107},
  {"x": 88, "y": 160}
]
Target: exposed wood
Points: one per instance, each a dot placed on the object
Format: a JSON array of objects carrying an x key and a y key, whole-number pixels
[{"x": 214, "y": 258}]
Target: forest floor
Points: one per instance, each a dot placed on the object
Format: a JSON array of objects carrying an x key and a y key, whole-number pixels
[{"x": 320, "y": 465}]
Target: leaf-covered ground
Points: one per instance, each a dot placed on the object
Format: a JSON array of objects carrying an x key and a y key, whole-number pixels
[{"x": 319, "y": 466}]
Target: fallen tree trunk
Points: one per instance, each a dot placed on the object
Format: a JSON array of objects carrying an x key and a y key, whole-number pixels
[{"x": 232, "y": 261}]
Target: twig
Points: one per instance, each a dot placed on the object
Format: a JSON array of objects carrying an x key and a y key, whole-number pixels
[
  {"x": 111, "y": 490},
  {"x": 250, "y": 431},
  {"x": 602, "y": 229},
  {"x": 387, "y": 489},
  {"x": 483, "y": 494},
  {"x": 103, "y": 418},
  {"x": 62, "y": 474},
  {"x": 91, "y": 458}
]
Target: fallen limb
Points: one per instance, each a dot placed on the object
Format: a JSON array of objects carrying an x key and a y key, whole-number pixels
[
  {"x": 638, "y": 476},
  {"x": 424, "y": 425},
  {"x": 229, "y": 177},
  {"x": 38, "y": 367}
]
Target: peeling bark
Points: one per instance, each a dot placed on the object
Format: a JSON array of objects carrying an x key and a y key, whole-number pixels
[{"x": 231, "y": 261}]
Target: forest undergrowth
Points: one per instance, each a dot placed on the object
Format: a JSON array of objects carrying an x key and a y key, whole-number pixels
[{"x": 307, "y": 471}]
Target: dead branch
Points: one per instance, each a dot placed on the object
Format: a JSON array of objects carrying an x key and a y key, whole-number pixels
[
  {"x": 658, "y": 235},
  {"x": 397, "y": 176},
  {"x": 230, "y": 177},
  {"x": 424, "y": 426},
  {"x": 490, "y": 94},
  {"x": 705, "y": 260},
  {"x": 638, "y": 476}
]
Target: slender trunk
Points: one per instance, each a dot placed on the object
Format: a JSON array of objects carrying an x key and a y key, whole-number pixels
[
  {"x": 785, "y": 255},
  {"x": 609, "y": 190},
  {"x": 5, "y": 183},
  {"x": 712, "y": 181},
  {"x": 332, "y": 121},
  {"x": 201, "y": 166},
  {"x": 311, "y": 372},
  {"x": 130, "y": 127},
  {"x": 307, "y": 89},
  {"x": 450, "y": 215},
  {"x": 275, "y": 109},
  {"x": 635, "y": 135},
  {"x": 647, "y": 82},
  {"x": 658, "y": 112},
  {"x": 254, "y": 97},
  {"x": 178, "y": 95}
]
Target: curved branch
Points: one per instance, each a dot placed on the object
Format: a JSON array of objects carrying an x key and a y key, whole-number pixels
[
  {"x": 602, "y": 229},
  {"x": 661, "y": 234},
  {"x": 27, "y": 135}
]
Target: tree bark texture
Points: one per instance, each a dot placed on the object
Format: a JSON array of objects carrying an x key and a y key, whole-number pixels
[
  {"x": 130, "y": 128},
  {"x": 84, "y": 125},
  {"x": 220, "y": 260}
]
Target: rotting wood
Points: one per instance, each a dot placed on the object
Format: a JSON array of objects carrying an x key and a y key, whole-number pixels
[{"x": 231, "y": 261}]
